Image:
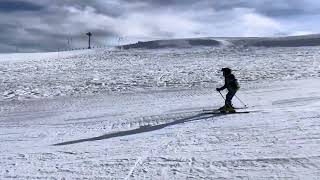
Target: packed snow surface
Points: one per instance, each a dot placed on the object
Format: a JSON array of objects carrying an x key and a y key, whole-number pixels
[{"x": 138, "y": 114}]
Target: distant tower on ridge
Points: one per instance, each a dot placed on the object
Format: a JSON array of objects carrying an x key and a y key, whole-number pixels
[{"x": 89, "y": 34}]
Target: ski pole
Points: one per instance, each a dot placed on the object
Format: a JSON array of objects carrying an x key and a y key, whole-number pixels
[
  {"x": 222, "y": 96},
  {"x": 241, "y": 101},
  {"x": 236, "y": 97},
  {"x": 224, "y": 99}
]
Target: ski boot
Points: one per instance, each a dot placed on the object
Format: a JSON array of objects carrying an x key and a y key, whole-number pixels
[
  {"x": 221, "y": 108},
  {"x": 227, "y": 109}
]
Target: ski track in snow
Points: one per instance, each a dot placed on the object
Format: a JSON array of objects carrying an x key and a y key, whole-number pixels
[{"x": 109, "y": 114}]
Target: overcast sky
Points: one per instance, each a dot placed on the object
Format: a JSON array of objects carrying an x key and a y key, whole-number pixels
[{"x": 46, "y": 25}]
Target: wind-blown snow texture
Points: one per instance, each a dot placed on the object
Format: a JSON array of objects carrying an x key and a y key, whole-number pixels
[
  {"x": 113, "y": 71},
  {"x": 138, "y": 114}
]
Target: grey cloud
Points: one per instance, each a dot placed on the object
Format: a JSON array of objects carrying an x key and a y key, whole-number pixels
[
  {"x": 266, "y": 7},
  {"x": 47, "y": 25},
  {"x": 14, "y": 6},
  {"x": 50, "y": 29}
]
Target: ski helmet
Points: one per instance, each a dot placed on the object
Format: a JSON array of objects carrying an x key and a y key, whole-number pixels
[{"x": 226, "y": 70}]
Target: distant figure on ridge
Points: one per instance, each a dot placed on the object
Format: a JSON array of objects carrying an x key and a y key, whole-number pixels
[{"x": 232, "y": 85}]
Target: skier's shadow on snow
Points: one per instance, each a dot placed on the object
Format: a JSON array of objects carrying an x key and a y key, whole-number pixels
[{"x": 142, "y": 129}]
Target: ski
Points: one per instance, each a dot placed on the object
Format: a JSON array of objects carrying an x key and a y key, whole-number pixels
[
  {"x": 236, "y": 108},
  {"x": 237, "y": 112},
  {"x": 242, "y": 112}
]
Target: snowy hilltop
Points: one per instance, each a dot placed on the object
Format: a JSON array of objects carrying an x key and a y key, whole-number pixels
[
  {"x": 291, "y": 41},
  {"x": 140, "y": 112}
]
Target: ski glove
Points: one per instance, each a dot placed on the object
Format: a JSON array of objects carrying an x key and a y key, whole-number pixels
[{"x": 218, "y": 89}]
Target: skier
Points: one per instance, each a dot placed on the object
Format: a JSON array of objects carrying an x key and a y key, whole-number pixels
[{"x": 231, "y": 84}]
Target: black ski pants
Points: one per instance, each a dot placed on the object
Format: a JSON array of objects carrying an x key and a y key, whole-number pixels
[{"x": 229, "y": 97}]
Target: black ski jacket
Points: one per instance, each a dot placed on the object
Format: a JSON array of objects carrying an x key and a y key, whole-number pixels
[{"x": 230, "y": 83}]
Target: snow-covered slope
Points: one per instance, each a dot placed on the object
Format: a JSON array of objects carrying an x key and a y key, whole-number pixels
[
  {"x": 113, "y": 71},
  {"x": 164, "y": 135},
  {"x": 138, "y": 114}
]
